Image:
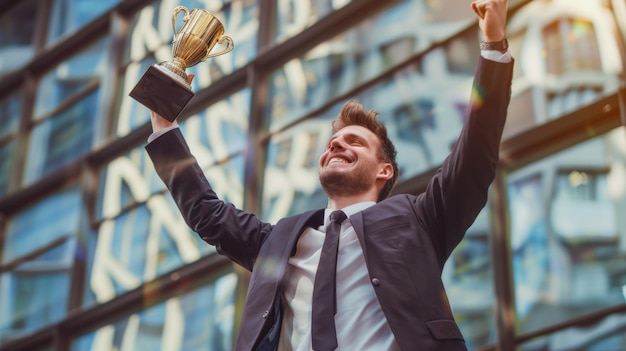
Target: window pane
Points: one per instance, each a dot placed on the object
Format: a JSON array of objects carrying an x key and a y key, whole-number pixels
[
  {"x": 291, "y": 173},
  {"x": 62, "y": 138},
  {"x": 294, "y": 16},
  {"x": 428, "y": 20},
  {"x": 125, "y": 181},
  {"x": 10, "y": 109},
  {"x": 17, "y": 31},
  {"x": 468, "y": 279},
  {"x": 567, "y": 234},
  {"x": 55, "y": 217},
  {"x": 71, "y": 77},
  {"x": 336, "y": 66},
  {"x": 217, "y": 137},
  {"x": 567, "y": 56},
  {"x": 606, "y": 335},
  {"x": 69, "y": 15},
  {"x": 6, "y": 159},
  {"x": 135, "y": 244},
  {"x": 47, "y": 232},
  {"x": 150, "y": 41},
  {"x": 30, "y": 302},
  {"x": 202, "y": 319}
]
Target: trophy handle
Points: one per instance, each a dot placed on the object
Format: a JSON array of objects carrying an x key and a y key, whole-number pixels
[
  {"x": 221, "y": 40},
  {"x": 177, "y": 10}
]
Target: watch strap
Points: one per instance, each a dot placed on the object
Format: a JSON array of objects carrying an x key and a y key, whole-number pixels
[{"x": 502, "y": 45}]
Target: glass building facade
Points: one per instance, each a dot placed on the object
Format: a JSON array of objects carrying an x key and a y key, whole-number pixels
[{"x": 95, "y": 256}]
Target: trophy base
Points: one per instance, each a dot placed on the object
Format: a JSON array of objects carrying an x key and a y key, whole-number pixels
[{"x": 162, "y": 92}]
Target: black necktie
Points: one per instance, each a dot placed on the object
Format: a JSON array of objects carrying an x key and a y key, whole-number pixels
[{"x": 323, "y": 334}]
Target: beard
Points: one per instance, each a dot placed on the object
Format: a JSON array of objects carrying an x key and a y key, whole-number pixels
[{"x": 337, "y": 183}]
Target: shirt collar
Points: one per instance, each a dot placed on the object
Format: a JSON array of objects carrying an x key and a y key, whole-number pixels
[{"x": 349, "y": 210}]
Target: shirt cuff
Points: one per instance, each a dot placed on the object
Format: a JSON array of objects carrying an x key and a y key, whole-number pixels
[
  {"x": 160, "y": 132},
  {"x": 495, "y": 55}
]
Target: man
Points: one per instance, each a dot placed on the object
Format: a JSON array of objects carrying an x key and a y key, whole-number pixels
[{"x": 391, "y": 251}]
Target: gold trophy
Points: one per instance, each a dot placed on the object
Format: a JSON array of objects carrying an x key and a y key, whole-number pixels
[{"x": 163, "y": 88}]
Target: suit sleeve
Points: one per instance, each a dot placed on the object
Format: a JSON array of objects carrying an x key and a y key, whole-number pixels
[
  {"x": 234, "y": 233},
  {"x": 458, "y": 191}
]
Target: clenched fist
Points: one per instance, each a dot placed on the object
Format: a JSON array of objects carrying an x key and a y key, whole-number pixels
[{"x": 492, "y": 14}]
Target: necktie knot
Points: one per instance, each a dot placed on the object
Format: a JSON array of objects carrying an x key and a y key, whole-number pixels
[{"x": 338, "y": 216}]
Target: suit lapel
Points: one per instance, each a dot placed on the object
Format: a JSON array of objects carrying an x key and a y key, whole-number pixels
[
  {"x": 357, "y": 223},
  {"x": 266, "y": 283}
]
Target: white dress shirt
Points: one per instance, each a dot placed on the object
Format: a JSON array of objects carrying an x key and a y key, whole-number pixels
[{"x": 360, "y": 322}]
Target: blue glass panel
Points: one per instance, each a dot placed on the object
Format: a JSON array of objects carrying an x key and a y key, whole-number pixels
[
  {"x": 291, "y": 174},
  {"x": 10, "y": 109},
  {"x": 137, "y": 244},
  {"x": 31, "y": 303},
  {"x": 55, "y": 217},
  {"x": 67, "y": 16},
  {"x": 62, "y": 138},
  {"x": 468, "y": 279},
  {"x": 124, "y": 181},
  {"x": 132, "y": 114},
  {"x": 71, "y": 77},
  {"x": 567, "y": 231},
  {"x": 17, "y": 32},
  {"x": 294, "y": 16},
  {"x": 221, "y": 129},
  {"x": 201, "y": 319},
  {"x": 6, "y": 158},
  {"x": 606, "y": 334},
  {"x": 336, "y": 66},
  {"x": 27, "y": 302},
  {"x": 217, "y": 137}
]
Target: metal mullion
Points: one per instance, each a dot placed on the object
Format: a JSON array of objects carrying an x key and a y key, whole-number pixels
[
  {"x": 255, "y": 157},
  {"x": 504, "y": 290}
]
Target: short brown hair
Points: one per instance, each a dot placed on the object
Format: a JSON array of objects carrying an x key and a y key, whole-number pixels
[{"x": 353, "y": 113}]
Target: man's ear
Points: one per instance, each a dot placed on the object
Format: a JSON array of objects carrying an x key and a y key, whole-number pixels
[{"x": 386, "y": 172}]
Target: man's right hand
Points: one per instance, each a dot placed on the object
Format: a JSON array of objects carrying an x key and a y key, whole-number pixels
[
  {"x": 492, "y": 18},
  {"x": 159, "y": 122}
]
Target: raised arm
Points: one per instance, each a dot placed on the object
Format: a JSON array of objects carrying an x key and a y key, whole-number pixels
[{"x": 458, "y": 191}]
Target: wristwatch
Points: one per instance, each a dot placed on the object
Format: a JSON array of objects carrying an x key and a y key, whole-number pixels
[{"x": 502, "y": 45}]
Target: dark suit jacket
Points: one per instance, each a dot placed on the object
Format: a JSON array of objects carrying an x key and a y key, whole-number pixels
[{"x": 406, "y": 239}]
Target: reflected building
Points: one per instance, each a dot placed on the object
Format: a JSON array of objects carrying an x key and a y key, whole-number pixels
[{"x": 95, "y": 256}]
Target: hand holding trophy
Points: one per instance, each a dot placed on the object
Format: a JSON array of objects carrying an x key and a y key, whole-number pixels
[{"x": 163, "y": 88}]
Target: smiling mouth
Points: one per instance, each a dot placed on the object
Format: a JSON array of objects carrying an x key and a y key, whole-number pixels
[{"x": 335, "y": 160}]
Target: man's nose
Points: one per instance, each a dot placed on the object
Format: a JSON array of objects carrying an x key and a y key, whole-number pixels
[{"x": 336, "y": 144}]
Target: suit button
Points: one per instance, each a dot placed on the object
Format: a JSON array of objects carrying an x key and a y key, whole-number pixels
[
  {"x": 375, "y": 282},
  {"x": 266, "y": 313}
]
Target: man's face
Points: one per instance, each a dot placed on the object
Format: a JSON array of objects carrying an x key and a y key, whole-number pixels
[{"x": 351, "y": 163}]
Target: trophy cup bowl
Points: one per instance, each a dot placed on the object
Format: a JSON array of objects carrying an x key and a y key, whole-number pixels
[{"x": 164, "y": 88}]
